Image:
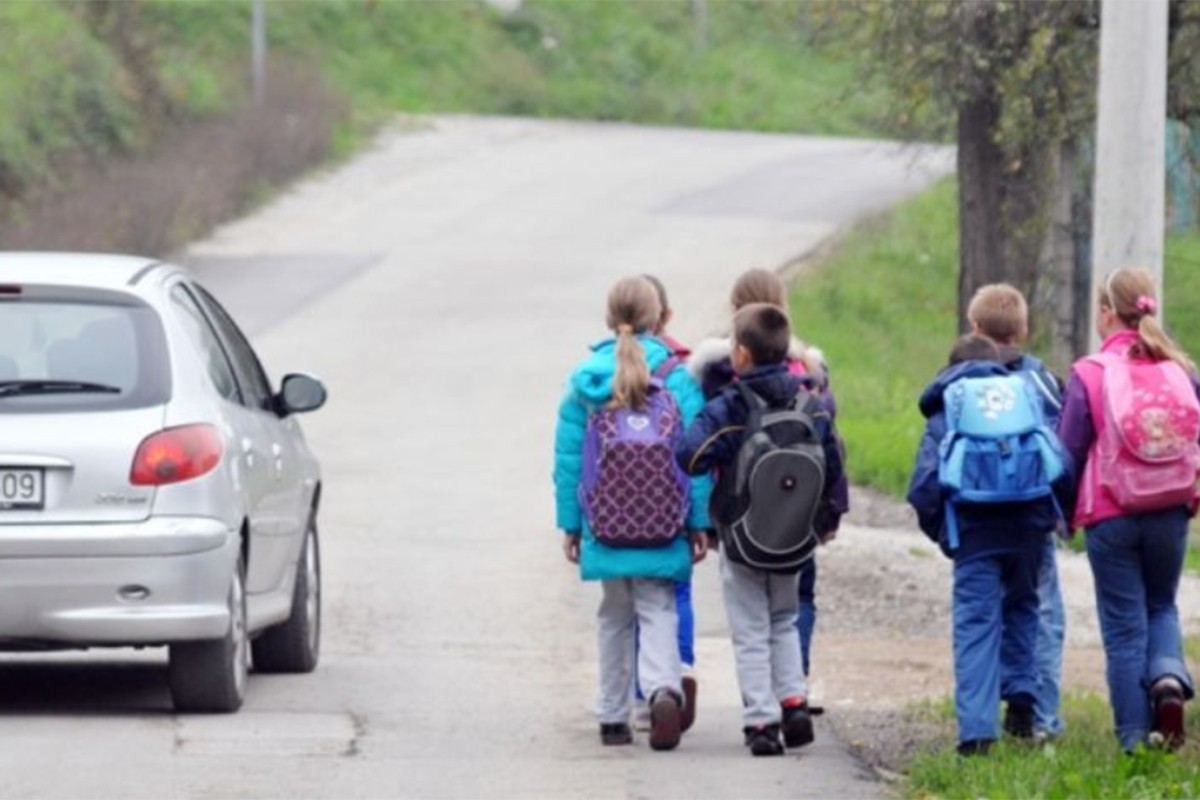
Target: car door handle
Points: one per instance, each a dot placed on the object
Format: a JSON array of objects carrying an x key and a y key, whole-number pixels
[
  {"x": 277, "y": 451},
  {"x": 248, "y": 450}
]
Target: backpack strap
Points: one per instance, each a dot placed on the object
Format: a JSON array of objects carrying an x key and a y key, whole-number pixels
[
  {"x": 752, "y": 398},
  {"x": 665, "y": 368}
]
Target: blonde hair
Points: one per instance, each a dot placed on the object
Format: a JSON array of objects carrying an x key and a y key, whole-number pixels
[
  {"x": 1000, "y": 313},
  {"x": 758, "y": 286},
  {"x": 764, "y": 286},
  {"x": 1129, "y": 293},
  {"x": 633, "y": 309}
]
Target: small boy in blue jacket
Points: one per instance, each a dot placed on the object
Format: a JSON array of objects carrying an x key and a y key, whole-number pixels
[
  {"x": 996, "y": 567},
  {"x": 761, "y": 606}
]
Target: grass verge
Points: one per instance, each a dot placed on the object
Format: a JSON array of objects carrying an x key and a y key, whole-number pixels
[
  {"x": 1084, "y": 762},
  {"x": 882, "y": 307}
]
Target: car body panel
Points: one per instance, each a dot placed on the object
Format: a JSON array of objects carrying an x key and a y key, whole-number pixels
[{"x": 183, "y": 537}]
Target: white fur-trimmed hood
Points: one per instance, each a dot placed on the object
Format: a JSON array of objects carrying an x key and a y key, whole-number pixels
[{"x": 716, "y": 349}]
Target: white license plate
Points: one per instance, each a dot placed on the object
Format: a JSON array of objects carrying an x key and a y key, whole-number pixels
[{"x": 21, "y": 489}]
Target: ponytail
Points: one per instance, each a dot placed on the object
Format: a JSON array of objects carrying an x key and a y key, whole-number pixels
[
  {"x": 1129, "y": 293},
  {"x": 631, "y": 384},
  {"x": 633, "y": 308},
  {"x": 1154, "y": 343}
]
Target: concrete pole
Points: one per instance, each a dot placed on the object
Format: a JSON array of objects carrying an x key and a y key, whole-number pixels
[
  {"x": 258, "y": 50},
  {"x": 1128, "y": 221}
]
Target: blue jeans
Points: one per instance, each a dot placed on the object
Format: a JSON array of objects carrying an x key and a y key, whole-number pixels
[
  {"x": 806, "y": 616},
  {"x": 1048, "y": 651},
  {"x": 995, "y": 598},
  {"x": 1137, "y": 561}
]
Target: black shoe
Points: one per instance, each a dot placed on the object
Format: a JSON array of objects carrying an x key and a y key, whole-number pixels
[
  {"x": 974, "y": 747},
  {"x": 1018, "y": 717},
  {"x": 615, "y": 733},
  {"x": 689, "y": 702},
  {"x": 666, "y": 720},
  {"x": 797, "y": 726},
  {"x": 763, "y": 740}
]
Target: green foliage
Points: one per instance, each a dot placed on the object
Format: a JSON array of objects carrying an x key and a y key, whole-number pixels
[
  {"x": 1084, "y": 762},
  {"x": 883, "y": 310},
  {"x": 60, "y": 89}
]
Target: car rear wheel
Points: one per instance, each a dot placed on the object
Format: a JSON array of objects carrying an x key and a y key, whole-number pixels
[
  {"x": 211, "y": 675},
  {"x": 294, "y": 645}
]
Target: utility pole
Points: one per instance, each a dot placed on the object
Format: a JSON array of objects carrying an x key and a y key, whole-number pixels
[
  {"x": 1128, "y": 221},
  {"x": 258, "y": 50}
]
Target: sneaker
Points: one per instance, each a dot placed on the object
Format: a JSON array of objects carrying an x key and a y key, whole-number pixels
[
  {"x": 974, "y": 747},
  {"x": 1167, "y": 697},
  {"x": 666, "y": 721},
  {"x": 1018, "y": 717},
  {"x": 797, "y": 724},
  {"x": 689, "y": 703},
  {"x": 612, "y": 733},
  {"x": 763, "y": 740}
]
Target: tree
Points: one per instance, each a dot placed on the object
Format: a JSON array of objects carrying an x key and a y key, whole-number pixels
[{"x": 1012, "y": 81}]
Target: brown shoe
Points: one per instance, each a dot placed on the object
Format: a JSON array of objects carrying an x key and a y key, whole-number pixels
[
  {"x": 689, "y": 703},
  {"x": 666, "y": 721}
]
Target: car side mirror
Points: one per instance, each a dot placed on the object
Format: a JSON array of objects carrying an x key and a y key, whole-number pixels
[{"x": 299, "y": 393}]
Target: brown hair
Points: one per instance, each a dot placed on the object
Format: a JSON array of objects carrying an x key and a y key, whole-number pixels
[
  {"x": 1129, "y": 293},
  {"x": 633, "y": 308},
  {"x": 999, "y": 312},
  {"x": 974, "y": 347},
  {"x": 764, "y": 330},
  {"x": 664, "y": 306},
  {"x": 758, "y": 286}
]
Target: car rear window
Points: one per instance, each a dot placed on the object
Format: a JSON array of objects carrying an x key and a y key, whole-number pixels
[{"x": 109, "y": 338}]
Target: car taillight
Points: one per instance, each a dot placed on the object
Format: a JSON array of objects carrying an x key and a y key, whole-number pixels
[{"x": 176, "y": 454}]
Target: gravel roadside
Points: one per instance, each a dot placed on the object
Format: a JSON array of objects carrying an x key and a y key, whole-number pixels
[{"x": 881, "y": 652}]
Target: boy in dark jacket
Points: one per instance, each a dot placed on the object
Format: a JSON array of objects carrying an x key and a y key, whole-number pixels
[
  {"x": 999, "y": 312},
  {"x": 996, "y": 567},
  {"x": 761, "y": 606}
]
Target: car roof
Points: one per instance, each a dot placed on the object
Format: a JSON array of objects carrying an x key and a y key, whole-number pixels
[{"x": 96, "y": 270}]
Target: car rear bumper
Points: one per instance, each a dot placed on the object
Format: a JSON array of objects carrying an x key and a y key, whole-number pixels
[{"x": 159, "y": 581}]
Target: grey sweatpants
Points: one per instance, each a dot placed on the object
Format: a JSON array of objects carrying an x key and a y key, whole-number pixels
[
  {"x": 651, "y": 604},
  {"x": 761, "y": 607}
]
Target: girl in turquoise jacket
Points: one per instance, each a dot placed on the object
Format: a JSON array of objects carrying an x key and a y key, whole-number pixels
[{"x": 637, "y": 582}]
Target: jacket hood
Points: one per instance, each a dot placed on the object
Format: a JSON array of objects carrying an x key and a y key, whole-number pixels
[
  {"x": 592, "y": 381},
  {"x": 931, "y": 398},
  {"x": 773, "y": 383},
  {"x": 713, "y": 353}
]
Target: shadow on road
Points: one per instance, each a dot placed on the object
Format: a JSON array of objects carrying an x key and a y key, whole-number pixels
[{"x": 33, "y": 685}]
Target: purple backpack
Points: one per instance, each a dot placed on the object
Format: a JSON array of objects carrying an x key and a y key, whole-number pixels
[{"x": 632, "y": 492}]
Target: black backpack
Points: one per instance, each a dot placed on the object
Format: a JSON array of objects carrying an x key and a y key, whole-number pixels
[{"x": 774, "y": 486}]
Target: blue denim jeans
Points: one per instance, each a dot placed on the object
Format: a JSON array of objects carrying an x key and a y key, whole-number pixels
[
  {"x": 806, "y": 616},
  {"x": 995, "y": 599},
  {"x": 1048, "y": 652},
  {"x": 1137, "y": 561}
]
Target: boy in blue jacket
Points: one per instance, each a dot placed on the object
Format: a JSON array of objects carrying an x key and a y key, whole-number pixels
[
  {"x": 996, "y": 567},
  {"x": 761, "y": 606}
]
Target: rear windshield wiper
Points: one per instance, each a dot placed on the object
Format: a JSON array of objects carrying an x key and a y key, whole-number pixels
[{"x": 13, "y": 388}]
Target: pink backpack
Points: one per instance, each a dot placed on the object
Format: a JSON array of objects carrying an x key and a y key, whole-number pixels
[{"x": 1147, "y": 454}]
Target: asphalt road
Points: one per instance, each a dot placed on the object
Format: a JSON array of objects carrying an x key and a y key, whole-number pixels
[{"x": 442, "y": 285}]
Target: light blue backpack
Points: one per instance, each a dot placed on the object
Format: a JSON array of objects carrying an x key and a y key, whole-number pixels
[{"x": 997, "y": 447}]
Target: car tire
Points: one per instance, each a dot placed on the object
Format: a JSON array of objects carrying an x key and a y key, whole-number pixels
[
  {"x": 294, "y": 645},
  {"x": 210, "y": 676}
]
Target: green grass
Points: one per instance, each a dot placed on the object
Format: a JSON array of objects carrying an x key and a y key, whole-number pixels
[
  {"x": 1085, "y": 762},
  {"x": 883, "y": 311},
  {"x": 77, "y": 77}
]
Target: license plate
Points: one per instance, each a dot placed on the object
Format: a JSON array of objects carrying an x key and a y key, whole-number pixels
[{"x": 21, "y": 489}]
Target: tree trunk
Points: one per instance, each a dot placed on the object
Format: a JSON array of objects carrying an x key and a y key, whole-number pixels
[{"x": 980, "y": 199}]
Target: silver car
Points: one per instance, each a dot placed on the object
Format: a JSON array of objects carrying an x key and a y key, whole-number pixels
[{"x": 154, "y": 489}]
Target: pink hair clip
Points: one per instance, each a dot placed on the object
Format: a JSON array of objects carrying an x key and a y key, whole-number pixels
[{"x": 1146, "y": 304}]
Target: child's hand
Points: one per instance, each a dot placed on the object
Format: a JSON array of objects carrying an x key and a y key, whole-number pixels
[
  {"x": 699, "y": 545},
  {"x": 571, "y": 547}
]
